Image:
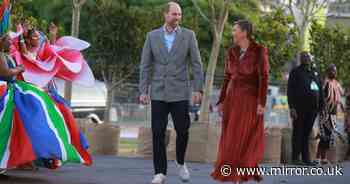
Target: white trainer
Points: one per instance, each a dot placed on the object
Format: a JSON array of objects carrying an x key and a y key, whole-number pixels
[
  {"x": 2, "y": 171},
  {"x": 159, "y": 179},
  {"x": 184, "y": 174}
]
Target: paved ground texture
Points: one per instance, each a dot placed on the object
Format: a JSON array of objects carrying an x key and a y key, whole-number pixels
[{"x": 116, "y": 170}]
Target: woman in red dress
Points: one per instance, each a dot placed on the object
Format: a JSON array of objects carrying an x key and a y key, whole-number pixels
[{"x": 242, "y": 104}]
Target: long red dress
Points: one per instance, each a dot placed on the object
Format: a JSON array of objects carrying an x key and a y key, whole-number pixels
[{"x": 242, "y": 138}]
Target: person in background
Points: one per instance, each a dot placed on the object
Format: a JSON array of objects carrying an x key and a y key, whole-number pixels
[
  {"x": 305, "y": 99},
  {"x": 327, "y": 120}
]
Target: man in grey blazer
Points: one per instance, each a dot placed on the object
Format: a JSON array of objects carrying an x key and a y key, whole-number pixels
[{"x": 168, "y": 54}]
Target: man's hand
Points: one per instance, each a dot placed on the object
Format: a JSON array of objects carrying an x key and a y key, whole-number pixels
[
  {"x": 260, "y": 110},
  {"x": 144, "y": 99},
  {"x": 197, "y": 97},
  {"x": 293, "y": 114}
]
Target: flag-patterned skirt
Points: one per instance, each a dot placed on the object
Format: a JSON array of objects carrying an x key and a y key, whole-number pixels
[{"x": 34, "y": 126}]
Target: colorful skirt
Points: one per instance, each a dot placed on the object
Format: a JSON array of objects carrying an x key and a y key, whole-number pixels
[{"x": 34, "y": 126}]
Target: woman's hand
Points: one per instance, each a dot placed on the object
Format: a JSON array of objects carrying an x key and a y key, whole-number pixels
[
  {"x": 53, "y": 29},
  {"x": 221, "y": 109},
  {"x": 260, "y": 110}
]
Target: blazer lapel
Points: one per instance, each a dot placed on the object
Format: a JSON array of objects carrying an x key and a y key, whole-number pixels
[
  {"x": 178, "y": 39},
  {"x": 161, "y": 43}
]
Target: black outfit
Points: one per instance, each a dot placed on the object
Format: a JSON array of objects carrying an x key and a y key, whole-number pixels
[
  {"x": 306, "y": 97},
  {"x": 180, "y": 114}
]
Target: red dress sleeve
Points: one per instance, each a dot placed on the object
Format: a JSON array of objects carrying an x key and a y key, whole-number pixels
[
  {"x": 227, "y": 77},
  {"x": 263, "y": 68}
]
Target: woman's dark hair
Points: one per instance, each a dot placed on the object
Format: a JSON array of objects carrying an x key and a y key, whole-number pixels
[
  {"x": 246, "y": 26},
  {"x": 30, "y": 33}
]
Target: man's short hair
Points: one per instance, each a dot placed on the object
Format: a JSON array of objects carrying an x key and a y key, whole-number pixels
[{"x": 167, "y": 6}]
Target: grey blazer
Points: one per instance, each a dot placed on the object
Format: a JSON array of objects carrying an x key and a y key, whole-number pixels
[{"x": 166, "y": 74}]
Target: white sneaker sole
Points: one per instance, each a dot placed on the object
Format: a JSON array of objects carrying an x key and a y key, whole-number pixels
[
  {"x": 163, "y": 182},
  {"x": 159, "y": 183}
]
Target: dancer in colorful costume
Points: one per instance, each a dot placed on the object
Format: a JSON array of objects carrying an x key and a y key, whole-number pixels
[
  {"x": 44, "y": 61},
  {"x": 33, "y": 125}
]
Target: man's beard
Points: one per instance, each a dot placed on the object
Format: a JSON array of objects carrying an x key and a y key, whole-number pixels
[{"x": 174, "y": 23}]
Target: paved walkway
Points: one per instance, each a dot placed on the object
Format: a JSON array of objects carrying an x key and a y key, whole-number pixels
[{"x": 116, "y": 170}]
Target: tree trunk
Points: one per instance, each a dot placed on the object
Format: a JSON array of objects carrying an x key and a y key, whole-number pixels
[
  {"x": 109, "y": 102},
  {"x": 302, "y": 34},
  {"x": 218, "y": 30},
  {"x": 75, "y": 32},
  {"x": 76, "y": 20},
  {"x": 209, "y": 81}
]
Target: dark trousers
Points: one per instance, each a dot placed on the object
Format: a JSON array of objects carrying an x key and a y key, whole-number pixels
[
  {"x": 302, "y": 128},
  {"x": 180, "y": 114}
]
